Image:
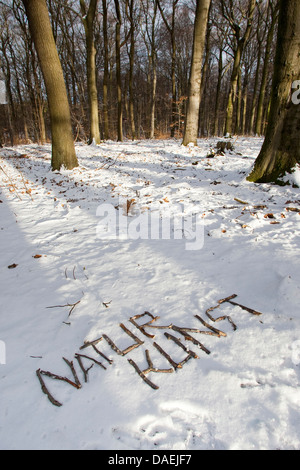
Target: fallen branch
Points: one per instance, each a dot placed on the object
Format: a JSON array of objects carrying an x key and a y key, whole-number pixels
[
  {"x": 190, "y": 338},
  {"x": 90, "y": 343},
  {"x": 46, "y": 391},
  {"x": 166, "y": 355},
  {"x": 137, "y": 343},
  {"x": 142, "y": 375},
  {"x": 59, "y": 377},
  {"x": 151, "y": 367},
  {"x": 142, "y": 327},
  {"x": 91, "y": 359},
  {"x": 112, "y": 345},
  {"x": 214, "y": 330},
  {"x": 182, "y": 346},
  {"x": 224, "y": 317},
  {"x": 71, "y": 365},
  {"x": 250, "y": 310},
  {"x": 110, "y": 361},
  {"x": 85, "y": 371}
]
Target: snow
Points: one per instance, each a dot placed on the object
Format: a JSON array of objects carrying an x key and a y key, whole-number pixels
[{"x": 244, "y": 394}]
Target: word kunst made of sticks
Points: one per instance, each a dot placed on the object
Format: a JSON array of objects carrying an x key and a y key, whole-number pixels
[{"x": 151, "y": 326}]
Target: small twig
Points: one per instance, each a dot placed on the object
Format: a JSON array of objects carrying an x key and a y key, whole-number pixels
[
  {"x": 28, "y": 191},
  {"x": 13, "y": 185},
  {"x": 118, "y": 156},
  {"x": 66, "y": 305},
  {"x": 241, "y": 202}
]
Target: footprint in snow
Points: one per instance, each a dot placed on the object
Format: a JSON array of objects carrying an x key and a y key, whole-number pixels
[{"x": 179, "y": 425}]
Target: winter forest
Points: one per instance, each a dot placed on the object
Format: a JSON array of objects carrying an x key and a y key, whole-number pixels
[
  {"x": 142, "y": 50},
  {"x": 149, "y": 226}
]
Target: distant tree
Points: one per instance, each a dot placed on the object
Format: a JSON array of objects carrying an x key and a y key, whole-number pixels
[
  {"x": 63, "y": 150},
  {"x": 273, "y": 7},
  {"x": 243, "y": 13},
  {"x": 88, "y": 13},
  {"x": 281, "y": 149},
  {"x": 170, "y": 25}
]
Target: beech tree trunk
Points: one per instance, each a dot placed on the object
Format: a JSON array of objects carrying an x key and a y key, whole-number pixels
[
  {"x": 192, "y": 116},
  {"x": 63, "y": 149},
  {"x": 281, "y": 149}
]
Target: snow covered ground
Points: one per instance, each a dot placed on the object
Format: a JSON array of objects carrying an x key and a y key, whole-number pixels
[{"x": 58, "y": 249}]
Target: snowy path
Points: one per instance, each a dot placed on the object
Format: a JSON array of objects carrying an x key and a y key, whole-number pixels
[{"x": 243, "y": 395}]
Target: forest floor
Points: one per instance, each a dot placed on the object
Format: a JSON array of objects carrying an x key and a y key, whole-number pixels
[{"x": 78, "y": 261}]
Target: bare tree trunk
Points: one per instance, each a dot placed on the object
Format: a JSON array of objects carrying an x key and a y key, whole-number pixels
[
  {"x": 63, "y": 150},
  {"x": 171, "y": 30},
  {"x": 131, "y": 69},
  {"x": 106, "y": 72},
  {"x": 118, "y": 72},
  {"x": 192, "y": 116},
  {"x": 262, "y": 93},
  {"x": 281, "y": 149},
  {"x": 218, "y": 92},
  {"x": 88, "y": 18},
  {"x": 241, "y": 43}
]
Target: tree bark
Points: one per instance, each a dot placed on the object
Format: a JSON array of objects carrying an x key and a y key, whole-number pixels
[
  {"x": 238, "y": 53},
  {"x": 105, "y": 73},
  {"x": 281, "y": 149},
  {"x": 192, "y": 116},
  {"x": 63, "y": 150},
  {"x": 262, "y": 93},
  {"x": 88, "y": 18},
  {"x": 118, "y": 72},
  {"x": 172, "y": 32},
  {"x": 131, "y": 69}
]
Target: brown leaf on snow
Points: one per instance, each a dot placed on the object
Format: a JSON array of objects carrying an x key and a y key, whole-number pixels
[
  {"x": 12, "y": 266},
  {"x": 37, "y": 256},
  {"x": 269, "y": 216}
]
